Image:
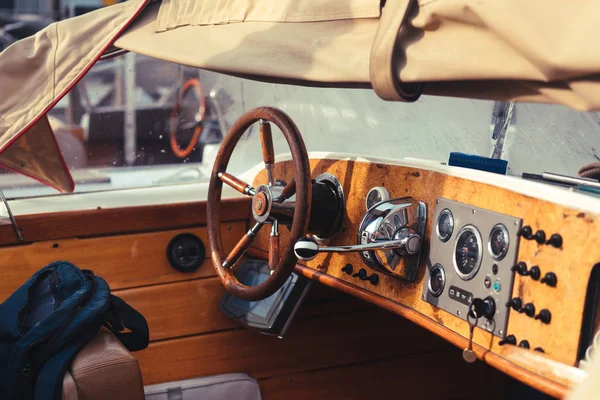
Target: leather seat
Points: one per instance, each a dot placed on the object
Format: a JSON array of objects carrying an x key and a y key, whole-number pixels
[{"x": 103, "y": 369}]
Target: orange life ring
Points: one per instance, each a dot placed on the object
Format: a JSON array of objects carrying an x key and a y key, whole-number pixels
[{"x": 183, "y": 153}]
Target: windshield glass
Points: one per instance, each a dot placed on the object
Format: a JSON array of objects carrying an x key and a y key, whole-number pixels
[{"x": 134, "y": 121}]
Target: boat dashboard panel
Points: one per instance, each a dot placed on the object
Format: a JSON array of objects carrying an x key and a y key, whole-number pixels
[{"x": 515, "y": 265}]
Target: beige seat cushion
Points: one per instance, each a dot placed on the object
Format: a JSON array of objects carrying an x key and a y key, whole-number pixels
[{"x": 104, "y": 369}]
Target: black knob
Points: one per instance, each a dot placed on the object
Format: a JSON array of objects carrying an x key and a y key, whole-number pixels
[
  {"x": 520, "y": 268},
  {"x": 374, "y": 279},
  {"x": 555, "y": 240},
  {"x": 528, "y": 309},
  {"x": 483, "y": 308},
  {"x": 362, "y": 274},
  {"x": 515, "y": 304},
  {"x": 540, "y": 237},
  {"x": 510, "y": 339},
  {"x": 539, "y": 349},
  {"x": 545, "y": 316},
  {"x": 549, "y": 279},
  {"x": 495, "y": 269},
  {"x": 524, "y": 344},
  {"x": 526, "y": 232},
  {"x": 348, "y": 269},
  {"x": 534, "y": 273}
]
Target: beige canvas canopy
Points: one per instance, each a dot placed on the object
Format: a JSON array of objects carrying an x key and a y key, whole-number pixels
[{"x": 537, "y": 51}]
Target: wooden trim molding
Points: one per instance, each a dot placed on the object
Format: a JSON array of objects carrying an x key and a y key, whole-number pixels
[
  {"x": 69, "y": 224},
  {"x": 539, "y": 382},
  {"x": 532, "y": 379}
]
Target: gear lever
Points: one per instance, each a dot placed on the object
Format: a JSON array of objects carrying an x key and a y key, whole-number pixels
[{"x": 407, "y": 243}]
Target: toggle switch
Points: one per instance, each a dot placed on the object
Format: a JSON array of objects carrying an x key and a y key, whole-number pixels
[
  {"x": 526, "y": 232},
  {"x": 549, "y": 279},
  {"x": 516, "y": 304},
  {"x": 545, "y": 316},
  {"x": 534, "y": 273},
  {"x": 510, "y": 339},
  {"x": 555, "y": 240},
  {"x": 520, "y": 268},
  {"x": 528, "y": 309},
  {"x": 347, "y": 269},
  {"x": 540, "y": 236}
]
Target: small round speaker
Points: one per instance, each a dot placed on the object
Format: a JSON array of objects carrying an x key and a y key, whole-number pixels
[{"x": 186, "y": 252}]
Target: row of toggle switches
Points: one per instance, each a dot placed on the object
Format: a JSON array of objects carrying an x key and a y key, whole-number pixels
[
  {"x": 511, "y": 339},
  {"x": 535, "y": 273},
  {"x": 362, "y": 274},
  {"x": 539, "y": 236},
  {"x": 528, "y": 309}
]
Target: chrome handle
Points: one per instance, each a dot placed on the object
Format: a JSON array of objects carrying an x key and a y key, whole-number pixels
[{"x": 307, "y": 249}]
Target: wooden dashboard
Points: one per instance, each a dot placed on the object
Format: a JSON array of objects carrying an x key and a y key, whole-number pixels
[{"x": 552, "y": 371}]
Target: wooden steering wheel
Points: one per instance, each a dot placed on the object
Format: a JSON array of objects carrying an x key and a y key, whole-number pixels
[
  {"x": 183, "y": 153},
  {"x": 266, "y": 199}
]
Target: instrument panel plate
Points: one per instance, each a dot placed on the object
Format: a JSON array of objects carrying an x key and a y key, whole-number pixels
[{"x": 472, "y": 229}]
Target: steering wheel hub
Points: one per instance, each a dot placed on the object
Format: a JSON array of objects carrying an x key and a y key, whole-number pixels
[{"x": 261, "y": 204}]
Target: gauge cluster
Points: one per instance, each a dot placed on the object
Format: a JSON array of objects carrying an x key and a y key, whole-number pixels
[{"x": 472, "y": 251}]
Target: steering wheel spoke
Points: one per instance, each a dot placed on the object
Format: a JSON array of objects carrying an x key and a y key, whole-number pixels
[
  {"x": 242, "y": 246},
  {"x": 236, "y": 183},
  {"x": 266, "y": 140},
  {"x": 288, "y": 191},
  {"x": 274, "y": 246}
]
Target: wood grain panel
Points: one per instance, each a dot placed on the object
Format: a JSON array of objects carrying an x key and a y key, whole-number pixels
[
  {"x": 516, "y": 370},
  {"x": 572, "y": 263},
  {"x": 86, "y": 223},
  {"x": 192, "y": 307},
  {"x": 439, "y": 375},
  {"x": 311, "y": 343},
  {"x": 180, "y": 308},
  {"x": 124, "y": 261}
]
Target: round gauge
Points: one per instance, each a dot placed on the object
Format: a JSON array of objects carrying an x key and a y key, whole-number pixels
[
  {"x": 498, "y": 242},
  {"x": 377, "y": 195},
  {"x": 445, "y": 225},
  {"x": 467, "y": 252},
  {"x": 437, "y": 280}
]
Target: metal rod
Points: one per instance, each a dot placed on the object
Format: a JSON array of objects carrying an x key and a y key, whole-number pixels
[
  {"x": 11, "y": 217},
  {"x": 571, "y": 180},
  {"x": 130, "y": 142},
  {"x": 383, "y": 245}
]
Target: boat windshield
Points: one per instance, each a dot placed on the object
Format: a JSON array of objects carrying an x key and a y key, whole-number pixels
[{"x": 117, "y": 127}]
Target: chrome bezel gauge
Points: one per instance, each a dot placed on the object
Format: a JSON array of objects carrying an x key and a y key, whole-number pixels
[
  {"x": 437, "y": 267},
  {"x": 500, "y": 256},
  {"x": 480, "y": 250},
  {"x": 443, "y": 213}
]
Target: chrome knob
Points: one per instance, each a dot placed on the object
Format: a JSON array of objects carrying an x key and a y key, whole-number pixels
[
  {"x": 306, "y": 249},
  {"x": 410, "y": 242}
]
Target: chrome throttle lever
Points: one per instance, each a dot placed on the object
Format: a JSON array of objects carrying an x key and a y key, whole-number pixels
[{"x": 407, "y": 243}]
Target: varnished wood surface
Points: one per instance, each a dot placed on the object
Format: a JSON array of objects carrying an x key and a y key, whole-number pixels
[
  {"x": 572, "y": 263},
  {"x": 440, "y": 375},
  {"x": 543, "y": 383},
  {"x": 124, "y": 261},
  {"x": 180, "y": 308},
  {"x": 312, "y": 343},
  {"x": 110, "y": 221},
  {"x": 543, "y": 366}
]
